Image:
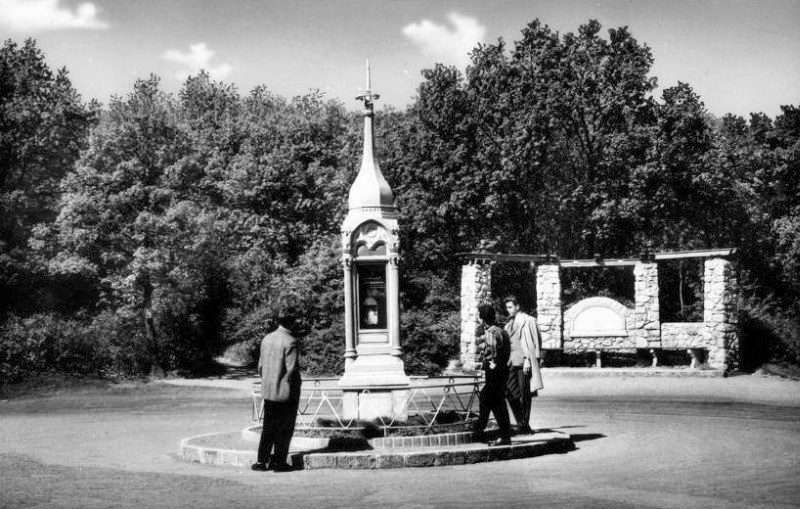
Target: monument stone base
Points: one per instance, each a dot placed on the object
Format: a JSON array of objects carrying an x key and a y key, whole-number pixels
[
  {"x": 375, "y": 403},
  {"x": 375, "y": 386}
]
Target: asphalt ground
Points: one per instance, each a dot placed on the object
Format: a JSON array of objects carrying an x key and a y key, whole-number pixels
[{"x": 641, "y": 442}]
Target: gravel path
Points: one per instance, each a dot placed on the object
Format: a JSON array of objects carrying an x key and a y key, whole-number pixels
[
  {"x": 642, "y": 442},
  {"x": 589, "y": 384}
]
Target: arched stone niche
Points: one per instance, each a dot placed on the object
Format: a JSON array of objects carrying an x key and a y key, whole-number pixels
[
  {"x": 369, "y": 248},
  {"x": 596, "y": 317},
  {"x": 370, "y": 239}
]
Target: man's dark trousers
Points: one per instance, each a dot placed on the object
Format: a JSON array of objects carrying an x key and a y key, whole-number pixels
[
  {"x": 518, "y": 392},
  {"x": 278, "y": 428},
  {"x": 492, "y": 399}
]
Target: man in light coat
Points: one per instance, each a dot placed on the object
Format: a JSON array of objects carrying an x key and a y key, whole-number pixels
[
  {"x": 525, "y": 376},
  {"x": 280, "y": 388}
]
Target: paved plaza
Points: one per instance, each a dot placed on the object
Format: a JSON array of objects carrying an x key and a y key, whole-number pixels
[{"x": 640, "y": 442}]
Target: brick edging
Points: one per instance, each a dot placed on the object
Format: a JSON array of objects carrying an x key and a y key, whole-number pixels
[
  {"x": 212, "y": 455},
  {"x": 382, "y": 459},
  {"x": 434, "y": 440},
  {"x": 391, "y": 442},
  {"x": 436, "y": 458}
]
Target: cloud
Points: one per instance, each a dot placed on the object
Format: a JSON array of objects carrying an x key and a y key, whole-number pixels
[
  {"x": 44, "y": 15},
  {"x": 198, "y": 57},
  {"x": 451, "y": 45}
]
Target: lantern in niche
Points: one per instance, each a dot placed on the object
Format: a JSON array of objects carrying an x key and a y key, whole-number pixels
[{"x": 370, "y": 255}]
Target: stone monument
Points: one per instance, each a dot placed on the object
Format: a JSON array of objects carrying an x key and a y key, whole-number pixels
[{"x": 374, "y": 383}]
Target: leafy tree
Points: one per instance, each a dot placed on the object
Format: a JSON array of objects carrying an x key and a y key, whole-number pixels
[
  {"x": 545, "y": 134},
  {"x": 125, "y": 223},
  {"x": 44, "y": 125}
]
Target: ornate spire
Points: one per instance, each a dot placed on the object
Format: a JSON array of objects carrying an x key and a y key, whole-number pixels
[
  {"x": 370, "y": 189},
  {"x": 368, "y": 97}
]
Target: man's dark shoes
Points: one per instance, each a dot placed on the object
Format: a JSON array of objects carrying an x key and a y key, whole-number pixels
[
  {"x": 259, "y": 467},
  {"x": 499, "y": 442},
  {"x": 525, "y": 430},
  {"x": 283, "y": 468}
]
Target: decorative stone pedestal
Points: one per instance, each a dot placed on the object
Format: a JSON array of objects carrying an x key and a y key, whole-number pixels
[
  {"x": 388, "y": 404},
  {"x": 375, "y": 387}
]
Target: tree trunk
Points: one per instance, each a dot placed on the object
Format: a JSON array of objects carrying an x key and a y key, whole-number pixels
[{"x": 156, "y": 369}]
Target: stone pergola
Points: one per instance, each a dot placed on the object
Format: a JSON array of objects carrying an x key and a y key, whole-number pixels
[{"x": 601, "y": 324}]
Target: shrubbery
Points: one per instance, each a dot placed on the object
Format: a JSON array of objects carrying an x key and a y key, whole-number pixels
[
  {"x": 430, "y": 340},
  {"x": 767, "y": 333},
  {"x": 429, "y": 323},
  {"x": 47, "y": 343}
]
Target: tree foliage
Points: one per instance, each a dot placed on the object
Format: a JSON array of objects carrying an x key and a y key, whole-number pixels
[
  {"x": 167, "y": 226},
  {"x": 43, "y": 127}
]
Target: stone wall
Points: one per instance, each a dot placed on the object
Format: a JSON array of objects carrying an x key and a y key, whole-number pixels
[
  {"x": 644, "y": 324},
  {"x": 548, "y": 304},
  {"x": 680, "y": 335},
  {"x": 719, "y": 316},
  {"x": 594, "y": 343},
  {"x": 476, "y": 288}
]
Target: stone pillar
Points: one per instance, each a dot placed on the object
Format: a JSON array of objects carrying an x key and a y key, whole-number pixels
[
  {"x": 349, "y": 327},
  {"x": 645, "y": 326},
  {"x": 719, "y": 316},
  {"x": 393, "y": 303},
  {"x": 548, "y": 304},
  {"x": 476, "y": 288}
]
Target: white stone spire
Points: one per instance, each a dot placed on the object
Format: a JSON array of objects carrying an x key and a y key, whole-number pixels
[
  {"x": 370, "y": 261},
  {"x": 370, "y": 189}
]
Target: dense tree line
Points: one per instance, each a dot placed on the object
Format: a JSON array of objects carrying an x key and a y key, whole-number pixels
[{"x": 160, "y": 230}]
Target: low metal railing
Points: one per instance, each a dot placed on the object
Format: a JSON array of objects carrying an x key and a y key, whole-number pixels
[{"x": 429, "y": 401}]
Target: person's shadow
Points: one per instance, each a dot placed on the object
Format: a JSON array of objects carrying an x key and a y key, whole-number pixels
[{"x": 576, "y": 437}]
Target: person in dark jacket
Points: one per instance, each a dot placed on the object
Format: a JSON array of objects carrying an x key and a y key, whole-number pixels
[
  {"x": 280, "y": 388},
  {"x": 493, "y": 352}
]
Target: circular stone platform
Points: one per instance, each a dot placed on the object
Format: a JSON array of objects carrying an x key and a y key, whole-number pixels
[{"x": 238, "y": 449}]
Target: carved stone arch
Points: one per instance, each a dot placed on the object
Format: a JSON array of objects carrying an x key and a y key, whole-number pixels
[
  {"x": 370, "y": 238},
  {"x": 596, "y": 317}
]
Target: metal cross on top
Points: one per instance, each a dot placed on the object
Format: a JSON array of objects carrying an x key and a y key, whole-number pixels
[{"x": 368, "y": 97}]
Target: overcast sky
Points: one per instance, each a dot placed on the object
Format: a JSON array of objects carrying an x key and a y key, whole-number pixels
[{"x": 739, "y": 56}]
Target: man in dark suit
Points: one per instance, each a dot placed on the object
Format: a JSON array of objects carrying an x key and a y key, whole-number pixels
[{"x": 280, "y": 388}]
